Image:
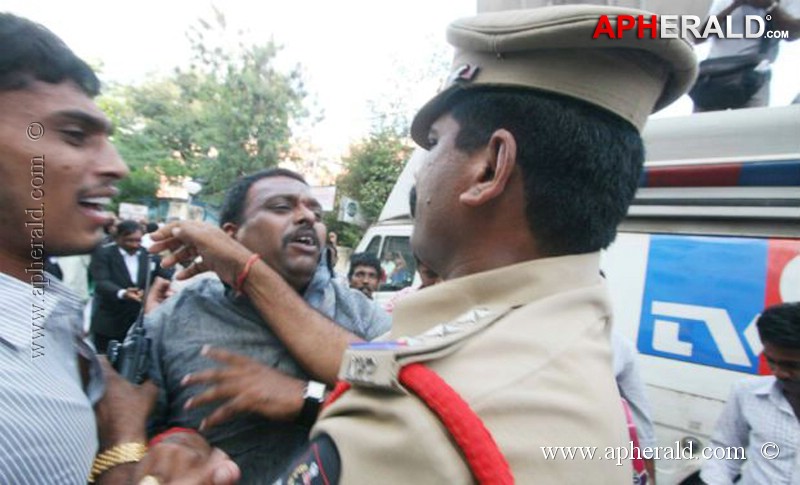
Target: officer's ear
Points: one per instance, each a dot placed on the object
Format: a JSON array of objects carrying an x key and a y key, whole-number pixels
[
  {"x": 230, "y": 229},
  {"x": 496, "y": 164}
]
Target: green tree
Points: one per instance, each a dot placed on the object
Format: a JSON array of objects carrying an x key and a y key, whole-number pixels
[
  {"x": 371, "y": 170},
  {"x": 146, "y": 156},
  {"x": 226, "y": 115},
  {"x": 375, "y": 163},
  {"x": 240, "y": 104}
]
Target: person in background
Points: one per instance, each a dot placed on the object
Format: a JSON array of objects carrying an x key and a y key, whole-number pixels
[
  {"x": 387, "y": 265},
  {"x": 402, "y": 275},
  {"x": 632, "y": 389},
  {"x": 119, "y": 272},
  {"x": 110, "y": 230},
  {"x": 332, "y": 252},
  {"x": 149, "y": 228},
  {"x": 76, "y": 273},
  {"x": 784, "y": 16},
  {"x": 427, "y": 278},
  {"x": 365, "y": 273},
  {"x": 762, "y": 414}
]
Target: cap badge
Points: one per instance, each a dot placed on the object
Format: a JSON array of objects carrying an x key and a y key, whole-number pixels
[{"x": 463, "y": 73}]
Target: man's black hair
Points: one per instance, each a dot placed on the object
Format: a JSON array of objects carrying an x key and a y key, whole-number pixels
[
  {"x": 151, "y": 227},
  {"x": 364, "y": 259},
  {"x": 580, "y": 164},
  {"x": 128, "y": 227},
  {"x": 236, "y": 198},
  {"x": 30, "y": 52},
  {"x": 412, "y": 201},
  {"x": 780, "y": 325}
]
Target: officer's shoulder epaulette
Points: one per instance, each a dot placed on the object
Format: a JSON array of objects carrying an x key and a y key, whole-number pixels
[{"x": 377, "y": 364}]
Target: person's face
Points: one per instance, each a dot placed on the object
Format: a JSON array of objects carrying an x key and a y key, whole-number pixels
[
  {"x": 283, "y": 223},
  {"x": 130, "y": 243},
  {"x": 440, "y": 180},
  {"x": 56, "y": 162},
  {"x": 365, "y": 279},
  {"x": 784, "y": 362}
]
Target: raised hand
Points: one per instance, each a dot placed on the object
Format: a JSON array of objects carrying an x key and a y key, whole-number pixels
[{"x": 186, "y": 240}]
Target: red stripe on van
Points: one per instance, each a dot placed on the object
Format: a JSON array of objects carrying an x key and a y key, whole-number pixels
[{"x": 719, "y": 175}]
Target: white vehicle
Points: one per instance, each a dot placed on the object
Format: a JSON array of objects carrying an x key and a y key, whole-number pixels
[
  {"x": 712, "y": 238},
  {"x": 391, "y": 236}
]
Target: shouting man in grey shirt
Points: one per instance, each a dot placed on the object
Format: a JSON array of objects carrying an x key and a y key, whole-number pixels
[{"x": 273, "y": 214}]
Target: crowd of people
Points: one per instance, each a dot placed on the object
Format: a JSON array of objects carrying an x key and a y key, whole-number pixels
[{"x": 270, "y": 372}]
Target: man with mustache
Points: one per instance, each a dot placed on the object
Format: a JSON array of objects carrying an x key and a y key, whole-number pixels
[
  {"x": 365, "y": 273},
  {"x": 60, "y": 404},
  {"x": 533, "y": 156},
  {"x": 273, "y": 215},
  {"x": 762, "y": 414},
  {"x": 119, "y": 272}
]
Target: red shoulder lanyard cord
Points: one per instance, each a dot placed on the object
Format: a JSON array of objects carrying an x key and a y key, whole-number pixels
[{"x": 484, "y": 458}]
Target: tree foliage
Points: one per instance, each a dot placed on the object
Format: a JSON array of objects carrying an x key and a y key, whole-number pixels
[
  {"x": 371, "y": 170},
  {"x": 242, "y": 107},
  {"x": 226, "y": 115},
  {"x": 146, "y": 156},
  {"x": 375, "y": 163}
]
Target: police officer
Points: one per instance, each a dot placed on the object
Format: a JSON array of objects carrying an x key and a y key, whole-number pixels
[{"x": 534, "y": 155}]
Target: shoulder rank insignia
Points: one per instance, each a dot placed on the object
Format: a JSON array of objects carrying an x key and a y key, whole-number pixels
[{"x": 377, "y": 364}]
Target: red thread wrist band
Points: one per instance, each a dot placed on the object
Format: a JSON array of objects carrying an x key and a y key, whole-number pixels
[
  {"x": 245, "y": 271},
  {"x": 162, "y": 436}
]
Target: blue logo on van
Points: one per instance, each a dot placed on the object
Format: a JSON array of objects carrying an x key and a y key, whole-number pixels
[{"x": 701, "y": 298}]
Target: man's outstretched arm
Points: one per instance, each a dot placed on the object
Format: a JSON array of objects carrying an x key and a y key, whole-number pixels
[{"x": 316, "y": 342}]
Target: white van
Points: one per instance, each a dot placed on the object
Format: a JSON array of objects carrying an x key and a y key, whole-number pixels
[
  {"x": 391, "y": 236},
  {"x": 712, "y": 238}
]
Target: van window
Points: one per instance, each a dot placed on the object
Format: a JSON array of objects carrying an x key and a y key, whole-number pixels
[
  {"x": 397, "y": 261},
  {"x": 374, "y": 246}
]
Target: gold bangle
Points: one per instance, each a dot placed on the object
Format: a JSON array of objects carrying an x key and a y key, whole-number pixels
[{"x": 117, "y": 455}]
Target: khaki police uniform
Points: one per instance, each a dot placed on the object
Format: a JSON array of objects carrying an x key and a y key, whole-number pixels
[{"x": 526, "y": 346}]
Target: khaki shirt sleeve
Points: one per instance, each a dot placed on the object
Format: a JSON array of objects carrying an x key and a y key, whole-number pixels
[{"x": 401, "y": 441}]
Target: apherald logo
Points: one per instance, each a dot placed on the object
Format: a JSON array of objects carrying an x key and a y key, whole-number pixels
[{"x": 685, "y": 27}]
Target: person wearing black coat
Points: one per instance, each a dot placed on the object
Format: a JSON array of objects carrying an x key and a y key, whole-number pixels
[{"x": 119, "y": 271}]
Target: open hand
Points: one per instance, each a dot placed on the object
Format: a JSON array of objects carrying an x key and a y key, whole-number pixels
[{"x": 246, "y": 386}]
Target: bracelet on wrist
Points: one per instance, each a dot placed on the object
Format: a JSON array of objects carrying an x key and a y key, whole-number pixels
[
  {"x": 245, "y": 272},
  {"x": 114, "y": 456},
  {"x": 166, "y": 434}
]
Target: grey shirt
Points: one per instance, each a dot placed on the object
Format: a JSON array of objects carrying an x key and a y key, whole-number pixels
[{"x": 207, "y": 313}]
